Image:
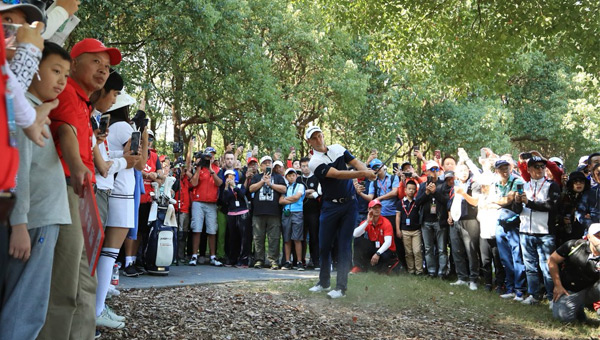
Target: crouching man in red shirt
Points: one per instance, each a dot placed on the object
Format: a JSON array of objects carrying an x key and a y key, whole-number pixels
[{"x": 376, "y": 251}]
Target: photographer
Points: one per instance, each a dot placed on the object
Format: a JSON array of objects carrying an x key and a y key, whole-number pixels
[
  {"x": 407, "y": 172},
  {"x": 574, "y": 270},
  {"x": 205, "y": 191},
  {"x": 266, "y": 220}
]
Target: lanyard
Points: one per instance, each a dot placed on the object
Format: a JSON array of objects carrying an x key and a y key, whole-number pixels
[
  {"x": 452, "y": 193},
  {"x": 411, "y": 205},
  {"x": 106, "y": 147},
  {"x": 540, "y": 189},
  {"x": 382, "y": 186}
]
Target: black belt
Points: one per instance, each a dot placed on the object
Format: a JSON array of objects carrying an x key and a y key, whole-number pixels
[{"x": 342, "y": 199}]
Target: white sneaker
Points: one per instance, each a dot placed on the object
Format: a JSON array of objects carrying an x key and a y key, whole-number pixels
[
  {"x": 510, "y": 295},
  {"x": 459, "y": 282},
  {"x": 113, "y": 315},
  {"x": 519, "y": 297},
  {"x": 318, "y": 288},
  {"x": 215, "y": 262},
  {"x": 193, "y": 260},
  {"x": 530, "y": 300},
  {"x": 104, "y": 320},
  {"x": 472, "y": 285},
  {"x": 336, "y": 294},
  {"x": 551, "y": 304}
]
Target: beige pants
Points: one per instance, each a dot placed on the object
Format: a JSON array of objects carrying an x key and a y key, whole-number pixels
[
  {"x": 412, "y": 247},
  {"x": 72, "y": 307}
]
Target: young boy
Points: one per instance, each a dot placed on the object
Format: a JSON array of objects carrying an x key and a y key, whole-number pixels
[
  {"x": 408, "y": 228},
  {"x": 40, "y": 209},
  {"x": 292, "y": 219}
]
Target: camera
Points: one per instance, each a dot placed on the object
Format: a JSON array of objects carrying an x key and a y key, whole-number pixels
[
  {"x": 177, "y": 147},
  {"x": 407, "y": 174},
  {"x": 204, "y": 160},
  {"x": 140, "y": 120}
]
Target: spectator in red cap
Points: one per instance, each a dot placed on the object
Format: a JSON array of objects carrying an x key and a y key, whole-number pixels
[
  {"x": 376, "y": 252},
  {"x": 71, "y": 311}
]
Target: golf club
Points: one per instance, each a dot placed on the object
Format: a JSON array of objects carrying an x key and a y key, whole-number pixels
[{"x": 399, "y": 141}]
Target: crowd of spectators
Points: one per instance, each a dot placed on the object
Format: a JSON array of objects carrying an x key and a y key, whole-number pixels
[{"x": 522, "y": 228}]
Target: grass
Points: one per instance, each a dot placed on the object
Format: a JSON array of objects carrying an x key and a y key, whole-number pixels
[{"x": 438, "y": 298}]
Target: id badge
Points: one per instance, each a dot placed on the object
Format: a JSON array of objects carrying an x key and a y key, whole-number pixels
[
  {"x": 237, "y": 203},
  {"x": 408, "y": 221},
  {"x": 433, "y": 209},
  {"x": 12, "y": 125},
  {"x": 377, "y": 244}
]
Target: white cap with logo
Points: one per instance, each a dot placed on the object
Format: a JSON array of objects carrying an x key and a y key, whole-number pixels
[{"x": 310, "y": 131}]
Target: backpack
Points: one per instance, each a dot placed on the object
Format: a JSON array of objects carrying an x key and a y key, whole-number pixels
[{"x": 376, "y": 191}]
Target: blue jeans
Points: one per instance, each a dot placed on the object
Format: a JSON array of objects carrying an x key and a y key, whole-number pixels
[
  {"x": 336, "y": 220},
  {"x": 536, "y": 251},
  {"x": 435, "y": 242},
  {"x": 509, "y": 249}
]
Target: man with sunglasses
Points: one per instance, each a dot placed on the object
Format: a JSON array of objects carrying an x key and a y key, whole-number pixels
[
  {"x": 537, "y": 208},
  {"x": 574, "y": 268}
]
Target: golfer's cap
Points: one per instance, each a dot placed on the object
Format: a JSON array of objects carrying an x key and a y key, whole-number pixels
[
  {"x": 311, "y": 130},
  {"x": 265, "y": 158},
  {"x": 557, "y": 160},
  {"x": 501, "y": 162},
  {"x": 374, "y": 203},
  {"x": 150, "y": 133},
  {"x": 289, "y": 170},
  {"x": 229, "y": 172},
  {"x": 276, "y": 163},
  {"x": 90, "y": 45},
  {"x": 536, "y": 159},
  {"x": 594, "y": 229},
  {"x": 583, "y": 160},
  {"x": 431, "y": 164},
  {"x": 251, "y": 159}
]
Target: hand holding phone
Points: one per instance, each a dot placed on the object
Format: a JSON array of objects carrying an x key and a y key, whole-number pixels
[{"x": 104, "y": 121}]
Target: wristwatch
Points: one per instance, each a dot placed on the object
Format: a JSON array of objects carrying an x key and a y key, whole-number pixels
[{"x": 378, "y": 253}]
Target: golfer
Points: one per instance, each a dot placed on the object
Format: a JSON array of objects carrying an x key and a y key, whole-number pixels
[{"x": 339, "y": 210}]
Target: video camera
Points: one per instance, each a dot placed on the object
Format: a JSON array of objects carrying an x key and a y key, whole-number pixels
[{"x": 204, "y": 161}]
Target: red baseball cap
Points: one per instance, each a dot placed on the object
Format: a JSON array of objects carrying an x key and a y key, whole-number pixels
[
  {"x": 374, "y": 203},
  {"x": 90, "y": 45},
  {"x": 251, "y": 159}
]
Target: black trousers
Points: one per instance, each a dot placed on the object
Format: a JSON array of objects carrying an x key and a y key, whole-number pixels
[
  {"x": 236, "y": 227},
  {"x": 489, "y": 254},
  {"x": 364, "y": 249}
]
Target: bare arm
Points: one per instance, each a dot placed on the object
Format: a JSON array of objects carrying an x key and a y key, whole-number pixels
[{"x": 69, "y": 147}]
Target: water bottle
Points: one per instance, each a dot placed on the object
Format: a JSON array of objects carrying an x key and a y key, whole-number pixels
[{"x": 115, "y": 275}]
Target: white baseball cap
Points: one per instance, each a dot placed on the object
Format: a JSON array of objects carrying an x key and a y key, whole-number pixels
[
  {"x": 594, "y": 229},
  {"x": 289, "y": 170},
  {"x": 123, "y": 99},
  {"x": 310, "y": 131},
  {"x": 229, "y": 172},
  {"x": 265, "y": 158},
  {"x": 276, "y": 163},
  {"x": 431, "y": 164}
]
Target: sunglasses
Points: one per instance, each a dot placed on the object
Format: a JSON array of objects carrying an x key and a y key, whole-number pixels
[
  {"x": 539, "y": 166},
  {"x": 434, "y": 169},
  {"x": 11, "y": 2}
]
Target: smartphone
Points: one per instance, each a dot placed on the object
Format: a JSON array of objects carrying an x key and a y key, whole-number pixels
[
  {"x": 143, "y": 124},
  {"x": 483, "y": 154},
  {"x": 416, "y": 148},
  {"x": 429, "y": 179},
  {"x": 520, "y": 188},
  {"x": 526, "y": 155},
  {"x": 292, "y": 148},
  {"x": 395, "y": 166},
  {"x": 438, "y": 154},
  {"x": 104, "y": 121},
  {"x": 135, "y": 141},
  {"x": 407, "y": 174},
  {"x": 268, "y": 170}
]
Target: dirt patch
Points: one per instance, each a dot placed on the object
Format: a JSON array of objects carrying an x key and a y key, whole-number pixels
[{"x": 257, "y": 311}]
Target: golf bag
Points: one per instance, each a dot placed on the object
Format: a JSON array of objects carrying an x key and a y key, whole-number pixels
[{"x": 161, "y": 248}]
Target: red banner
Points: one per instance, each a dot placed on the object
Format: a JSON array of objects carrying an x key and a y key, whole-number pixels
[{"x": 93, "y": 233}]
